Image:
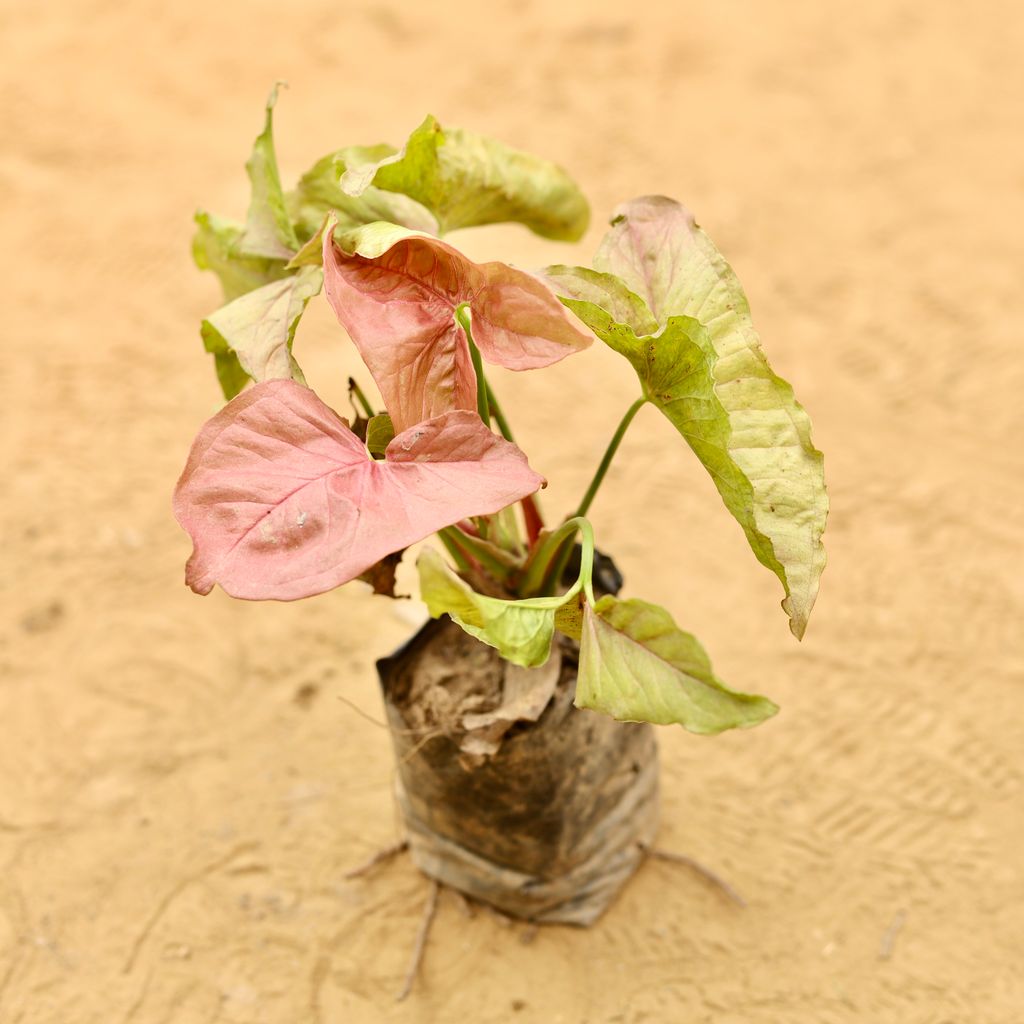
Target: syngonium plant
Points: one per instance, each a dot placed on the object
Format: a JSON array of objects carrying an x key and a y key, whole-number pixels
[{"x": 285, "y": 499}]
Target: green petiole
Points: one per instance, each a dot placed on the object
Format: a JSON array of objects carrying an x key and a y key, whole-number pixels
[
  {"x": 548, "y": 565},
  {"x": 499, "y": 416},
  {"x": 606, "y": 460},
  {"x": 538, "y": 578},
  {"x": 488, "y": 408},
  {"x": 463, "y": 316}
]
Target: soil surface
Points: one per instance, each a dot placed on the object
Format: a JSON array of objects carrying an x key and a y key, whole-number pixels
[{"x": 184, "y": 782}]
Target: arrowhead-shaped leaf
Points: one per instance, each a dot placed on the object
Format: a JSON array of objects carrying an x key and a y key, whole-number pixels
[
  {"x": 283, "y": 501},
  {"x": 249, "y": 261},
  {"x": 397, "y": 295},
  {"x": 257, "y": 329},
  {"x": 268, "y": 228},
  {"x": 520, "y": 630},
  {"x": 319, "y": 192},
  {"x": 742, "y": 420},
  {"x": 466, "y": 179},
  {"x": 675, "y": 367},
  {"x": 638, "y": 666}
]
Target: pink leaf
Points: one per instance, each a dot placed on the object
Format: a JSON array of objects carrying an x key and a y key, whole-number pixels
[
  {"x": 399, "y": 309},
  {"x": 283, "y": 501},
  {"x": 519, "y": 323}
]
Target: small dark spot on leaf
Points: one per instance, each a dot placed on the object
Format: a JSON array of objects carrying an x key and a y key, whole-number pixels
[{"x": 518, "y": 1005}]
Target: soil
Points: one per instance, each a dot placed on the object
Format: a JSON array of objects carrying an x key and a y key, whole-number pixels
[
  {"x": 507, "y": 792},
  {"x": 184, "y": 781}
]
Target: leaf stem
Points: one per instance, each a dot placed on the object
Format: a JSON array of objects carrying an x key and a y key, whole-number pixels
[
  {"x": 458, "y": 555},
  {"x": 606, "y": 460},
  {"x": 538, "y": 571},
  {"x": 488, "y": 407},
  {"x": 462, "y": 315},
  {"x": 357, "y": 392},
  {"x": 475, "y": 553},
  {"x": 499, "y": 416},
  {"x": 559, "y": 558},
  {"x": 532, "y": 518},
  {"x": 482, "y": 404},
  {"x": 531, "y": 507},
  {"x": 586, "y": 557}
]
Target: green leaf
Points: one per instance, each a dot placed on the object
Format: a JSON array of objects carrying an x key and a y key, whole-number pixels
[
  {"x": 676, "y": 369},
  {"x": 380, "y": 432},
  {"x": 214, "y": 248},
  {"x": 569, "y": 617},
  {"x": 466, "y": 179},
  {"x": 520, "y": 630},
  {"x": 756, "y": 438},
  {"x": 311, "y": 253},
  {"x": 371, "y": 240},
  {"x": 251, "y": 338},
  {"x": 606, "y": 291},
  {"x": 231, "y": 376},
  {"x": 268, "y": 228},
  {"x": 503, "y": 532},
  {"x": 638, "y": 666},
  {"x": 319, "y": 192}
]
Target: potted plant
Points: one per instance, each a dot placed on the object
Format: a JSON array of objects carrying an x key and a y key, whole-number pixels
[{"x": 522, "y": 714}]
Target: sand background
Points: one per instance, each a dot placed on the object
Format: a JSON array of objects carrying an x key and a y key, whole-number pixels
[{"x": 181, "y": 784}]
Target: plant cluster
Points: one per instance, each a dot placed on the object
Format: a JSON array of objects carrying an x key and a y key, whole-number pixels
[{"x": 285, "y": 499}]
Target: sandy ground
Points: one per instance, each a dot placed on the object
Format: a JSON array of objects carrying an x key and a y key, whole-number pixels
[{"x": 184, "y": 781}]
